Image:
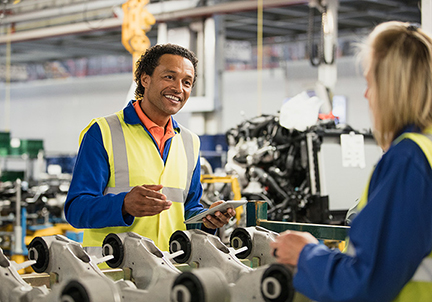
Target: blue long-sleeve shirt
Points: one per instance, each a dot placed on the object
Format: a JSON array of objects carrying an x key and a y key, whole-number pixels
[
  {"x": 87, "y": 207},
  {"x": 391, "y": 235}
]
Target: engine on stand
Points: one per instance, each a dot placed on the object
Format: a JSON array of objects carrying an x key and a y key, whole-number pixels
[{"x": 282, "y": 167}]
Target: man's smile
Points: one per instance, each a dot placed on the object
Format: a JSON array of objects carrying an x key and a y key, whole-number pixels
[{"x": 172, "y": 97}]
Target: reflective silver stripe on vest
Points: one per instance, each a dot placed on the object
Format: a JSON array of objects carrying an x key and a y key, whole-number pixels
[
  {"x": 121, "y": 165},
  {"x": 188, "y": 145},
  {"x": 424, "y": 271},
  {"x": 174, "y": 194}
]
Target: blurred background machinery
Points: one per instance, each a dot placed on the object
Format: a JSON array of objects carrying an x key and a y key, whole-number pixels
[{"x": 33, "y": 189}]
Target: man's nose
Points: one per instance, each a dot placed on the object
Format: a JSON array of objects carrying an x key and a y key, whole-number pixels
[{"x": 177, "y": 86}]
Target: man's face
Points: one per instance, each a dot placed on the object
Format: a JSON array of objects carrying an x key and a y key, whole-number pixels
[{"x": 168, "y": 89}]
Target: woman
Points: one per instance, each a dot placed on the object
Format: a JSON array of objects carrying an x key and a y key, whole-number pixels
[{"x": 390, "y": 240}]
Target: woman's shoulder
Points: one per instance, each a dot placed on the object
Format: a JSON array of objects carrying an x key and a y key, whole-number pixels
[{"x": 405, "y": 153}]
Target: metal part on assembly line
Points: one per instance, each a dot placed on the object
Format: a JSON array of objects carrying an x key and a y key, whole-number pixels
[
  {"x": 201, "y": 285},
  {"x": 88, "y": 289},
  {"x": 152, "y": 270},
  {"x": 71, "y": 263},
  {"x": 74, "y": 269},
  {"x": 270, "y": 283},
  {"x": 148, "y": 264},
  {"x": 207, "y": 251},
  {"x": 13, "y": 287},
  {"x": 257, "y": 240},
  {"x": 82, "y": 280},
  {"x": 62, "y": 256}
]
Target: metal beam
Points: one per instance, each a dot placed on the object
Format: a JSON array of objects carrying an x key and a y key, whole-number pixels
[
  {"x": 223, "y": 8},
  {"x": 60, "y": 11}
]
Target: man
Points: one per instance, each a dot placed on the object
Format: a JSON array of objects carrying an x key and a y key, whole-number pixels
[{"x": 138, "y": 170}]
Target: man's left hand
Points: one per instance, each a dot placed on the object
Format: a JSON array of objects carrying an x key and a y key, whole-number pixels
[{"x": 219, "y": 219}]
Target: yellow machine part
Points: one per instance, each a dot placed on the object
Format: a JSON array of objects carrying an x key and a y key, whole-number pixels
[{"x": 58, "y": 229}]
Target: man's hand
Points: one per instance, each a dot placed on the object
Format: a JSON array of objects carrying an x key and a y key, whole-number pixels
[
  {"x": 219, "y": 219},
  {"x": 289, "y": 244},
  {"x": 145, "y": 200}
]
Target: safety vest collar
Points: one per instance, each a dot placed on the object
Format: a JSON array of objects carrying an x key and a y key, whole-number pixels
[{"x": 131, "y": 117}]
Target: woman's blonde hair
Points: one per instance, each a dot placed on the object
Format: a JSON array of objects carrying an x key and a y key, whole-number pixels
[{"x": 399, "y": 64}]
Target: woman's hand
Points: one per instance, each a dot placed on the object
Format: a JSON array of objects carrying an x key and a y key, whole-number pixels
[{"x": 289, "y": 244}]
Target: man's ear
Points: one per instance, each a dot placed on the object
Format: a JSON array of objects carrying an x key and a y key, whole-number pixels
[{"x": 145, "y": 80}]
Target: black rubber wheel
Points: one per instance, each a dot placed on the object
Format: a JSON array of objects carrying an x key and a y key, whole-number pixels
[
  {"x": 241, "y": 234},
  {"x": 74, "y": 291},
  {"x": 185, "y": 245},
  {"x": 116, "y": 244},
  {"x": 283, "y": 278},
  {"x": 39, "y": 251},
  {"x": 192, "y": 284}
]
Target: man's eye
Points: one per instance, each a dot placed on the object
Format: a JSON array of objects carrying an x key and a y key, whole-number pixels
[{"x": 188, "y": 83}]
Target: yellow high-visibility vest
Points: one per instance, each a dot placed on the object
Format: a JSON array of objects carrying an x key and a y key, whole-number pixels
[{"x": 134, "y": 161}]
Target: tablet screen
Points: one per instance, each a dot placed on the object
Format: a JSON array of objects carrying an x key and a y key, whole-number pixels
[{"x": 223, "y": 207}]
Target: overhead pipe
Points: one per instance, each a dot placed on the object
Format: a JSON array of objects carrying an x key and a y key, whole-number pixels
[
  {"x": 225, "y": 8},
  {"x": 109, "y": 23},
  {"x": 61, "y": 30},
  {"x": 60, "y": 11},
  {"x": 46, "y": 13}
]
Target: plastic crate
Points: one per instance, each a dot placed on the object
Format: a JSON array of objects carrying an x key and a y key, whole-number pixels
[
  {"x": 31, "y": 147},
  {"x": 4, "y": 143},
  {"x": 11, "y": 175}
]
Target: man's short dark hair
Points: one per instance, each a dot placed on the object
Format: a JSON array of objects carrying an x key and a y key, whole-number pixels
[{"x": 150, "y": 60}]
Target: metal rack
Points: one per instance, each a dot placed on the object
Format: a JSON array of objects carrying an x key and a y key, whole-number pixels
[{"x": 256, "y": 215}]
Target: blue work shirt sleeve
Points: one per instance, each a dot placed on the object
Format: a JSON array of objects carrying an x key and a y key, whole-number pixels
[
  {"x": 86, "y": 206},
  {"x": 391, "y": 235},
  {"x": 193, "y": 205}
]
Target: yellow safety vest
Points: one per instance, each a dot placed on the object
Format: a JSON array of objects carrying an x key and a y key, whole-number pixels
[
  {"x": 419, "y": 288},
  {"x": 133, "y": 161}
]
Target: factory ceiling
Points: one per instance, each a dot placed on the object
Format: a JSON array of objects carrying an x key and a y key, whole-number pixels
[{"x": 47, "y": 30}]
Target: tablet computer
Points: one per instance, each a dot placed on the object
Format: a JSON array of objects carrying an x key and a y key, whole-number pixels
[{"x": 223, "y": 207}]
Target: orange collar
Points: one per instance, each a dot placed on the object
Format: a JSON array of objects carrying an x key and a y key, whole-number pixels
[{"x": 160, "y": 134}]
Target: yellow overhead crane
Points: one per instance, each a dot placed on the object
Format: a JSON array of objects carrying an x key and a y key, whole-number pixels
[{"x": 137, "y": 20}]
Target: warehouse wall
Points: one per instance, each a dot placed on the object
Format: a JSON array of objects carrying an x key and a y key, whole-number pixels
[
  {"x": 240, "y": 91},
  {"x": 57, "y": 110}
]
